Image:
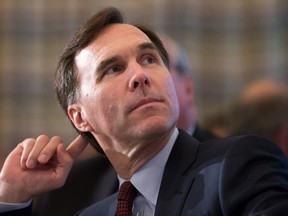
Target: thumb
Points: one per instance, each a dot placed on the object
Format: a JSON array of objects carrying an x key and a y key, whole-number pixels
[{"x": 77, "y": 146}]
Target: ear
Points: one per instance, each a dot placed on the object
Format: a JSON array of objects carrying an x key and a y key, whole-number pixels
[{"x": 77, "y": 116}]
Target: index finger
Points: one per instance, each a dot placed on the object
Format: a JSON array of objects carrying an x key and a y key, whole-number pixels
[{"x": 77, "y": 146}]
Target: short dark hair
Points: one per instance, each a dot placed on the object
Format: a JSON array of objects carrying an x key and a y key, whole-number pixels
[{"x": 66, "y": 80}]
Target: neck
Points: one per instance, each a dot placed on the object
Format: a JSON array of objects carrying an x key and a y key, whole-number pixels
[{"x": 127, "y": 163}]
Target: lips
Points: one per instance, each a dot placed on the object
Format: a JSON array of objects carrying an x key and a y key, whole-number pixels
[{"x": 144, "y": 102}]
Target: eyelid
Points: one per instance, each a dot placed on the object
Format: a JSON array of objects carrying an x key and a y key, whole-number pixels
[
  {"x": 152, "y": 55},
  {"x": 114, "y": 66},
  {"x": 107, "y": 63}
]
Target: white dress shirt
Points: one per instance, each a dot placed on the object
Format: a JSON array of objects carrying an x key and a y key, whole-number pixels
[
  {"x": 4, "y": 207},
  {"x": 147, "y": 180}
]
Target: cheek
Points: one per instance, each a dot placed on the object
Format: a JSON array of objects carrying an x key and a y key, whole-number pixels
[
  {"x": 95, "y": 106},
  {"x": 178, "y": 85},
  {"x": 100, "y": 104},
  {"x": 172, "y": 97},
  {"x": 106, "y": 108},
  {"x": 109, "y": 107},
  {"x": 171, "y": 90}
]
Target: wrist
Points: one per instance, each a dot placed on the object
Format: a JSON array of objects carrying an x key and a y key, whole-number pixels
[{"x": 10, "y": 194}]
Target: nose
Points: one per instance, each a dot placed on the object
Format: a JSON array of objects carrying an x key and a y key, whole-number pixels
[{"x": 139, "y": 79}]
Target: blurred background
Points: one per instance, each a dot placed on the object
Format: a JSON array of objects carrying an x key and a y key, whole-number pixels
[{"x": 230, "y": 43}]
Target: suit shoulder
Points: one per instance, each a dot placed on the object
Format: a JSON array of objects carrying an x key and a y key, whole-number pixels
[
  {"x": 243, "y": 141},
  {"x": 244, "y": 144}
]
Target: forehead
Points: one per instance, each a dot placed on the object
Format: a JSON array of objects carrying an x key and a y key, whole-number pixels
[
  {"x": 114, "y": 39},
  {"x": 115, "y": 32}
]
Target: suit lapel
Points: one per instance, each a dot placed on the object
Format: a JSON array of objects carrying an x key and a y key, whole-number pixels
[
  {"x": 175, "y": 184},
  {"x": 113, "y": 205}
]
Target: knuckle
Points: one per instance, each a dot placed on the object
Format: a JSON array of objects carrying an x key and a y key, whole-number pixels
[
  {"x": 56, "y": 139},
  {"x": 42, "y": 137},
  {"x": 27, "y": 141}
]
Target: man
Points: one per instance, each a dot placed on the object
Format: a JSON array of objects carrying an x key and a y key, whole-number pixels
[
  {"x": 265, "y": 102},
  {"x": 125, "y": 104},
  {"x": 78, "y": 192}
]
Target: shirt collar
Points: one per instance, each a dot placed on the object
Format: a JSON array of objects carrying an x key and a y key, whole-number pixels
[{"x": 153, "y": 170}]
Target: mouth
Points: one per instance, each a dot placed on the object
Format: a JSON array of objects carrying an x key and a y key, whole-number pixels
[{"x": 144, "y": 102}]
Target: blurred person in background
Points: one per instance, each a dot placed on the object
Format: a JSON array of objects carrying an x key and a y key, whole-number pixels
[
  {"x": 216, "y": 122},
  {"x": 181, "y": 72},
  {"x": 94, "y": 186},
  {"x": 262, "y": 109}
]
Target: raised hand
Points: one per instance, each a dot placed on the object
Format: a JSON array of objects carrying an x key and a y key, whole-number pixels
[{"x": 36, "y": 166}]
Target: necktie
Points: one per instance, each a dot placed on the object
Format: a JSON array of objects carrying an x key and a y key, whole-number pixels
[{"x": 126, "y": 195}]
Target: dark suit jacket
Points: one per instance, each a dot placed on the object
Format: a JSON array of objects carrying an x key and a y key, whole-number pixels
[
  {"x": 22, "y": 212},
  {"x": 245, "y": 175}
]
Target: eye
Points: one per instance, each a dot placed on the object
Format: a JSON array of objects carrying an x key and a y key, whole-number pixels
[
  {"x": 149, "y": 60},
  {"x": 114, "y": 69}
]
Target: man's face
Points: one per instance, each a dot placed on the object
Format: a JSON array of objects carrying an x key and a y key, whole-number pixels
[{"x": 127, "y": 93}]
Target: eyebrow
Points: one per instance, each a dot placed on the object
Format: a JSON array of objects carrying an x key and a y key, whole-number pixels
[
  {"x": 147, "y": 45},
  {"x": 103, "y": 64}
]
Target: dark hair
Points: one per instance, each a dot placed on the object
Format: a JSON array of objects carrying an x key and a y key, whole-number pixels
[{"x": 66, "y": 80}]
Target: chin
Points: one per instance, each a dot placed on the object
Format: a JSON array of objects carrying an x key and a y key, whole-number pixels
[{"x": 152, "y": 127}]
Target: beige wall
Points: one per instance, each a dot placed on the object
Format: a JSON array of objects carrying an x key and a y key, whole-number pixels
[{"x": 229, "y": 43}]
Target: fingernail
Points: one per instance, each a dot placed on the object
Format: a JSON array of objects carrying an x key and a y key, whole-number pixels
[
  {"x": 43, "y": 158},
  {"x": 31, "y": 163}
]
